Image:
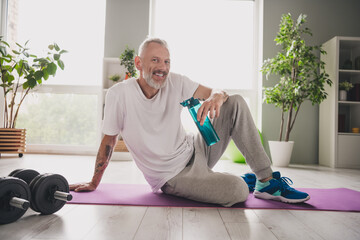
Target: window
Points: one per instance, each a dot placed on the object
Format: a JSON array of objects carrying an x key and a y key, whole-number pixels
[
  {"x": 77, "y": 26},
  {"x": 66, "y": 120},
  {"x": 64, "y": 114},
  {"x": 214, "y": 42}
]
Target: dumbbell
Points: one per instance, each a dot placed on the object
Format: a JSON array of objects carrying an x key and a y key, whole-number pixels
[
  {"x": 49, "y": 192},
  {"x": 14, "y": 199}
]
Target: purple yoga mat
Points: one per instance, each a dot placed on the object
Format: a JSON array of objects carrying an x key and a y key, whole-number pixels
[{"x": 336, "y": 199}]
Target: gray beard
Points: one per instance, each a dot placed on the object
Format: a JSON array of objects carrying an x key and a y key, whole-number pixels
[{"x": 151, "y": 82}]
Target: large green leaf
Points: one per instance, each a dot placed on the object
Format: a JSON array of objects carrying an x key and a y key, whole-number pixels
[
  {"x": 25, "y": 85},
  {"x": 56, "y": 47},
  {"x": 46, "y": 74},
  {"x": 52, "y": 68},
  {"x": 61, "y": 64},
  {"x": 31, "y": 82},
  {"x": 3, "y": 51},
  {"x": 38, "y": 75}
]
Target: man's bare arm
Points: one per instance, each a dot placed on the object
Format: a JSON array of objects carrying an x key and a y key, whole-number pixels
[{"x": 102, "y": 161}]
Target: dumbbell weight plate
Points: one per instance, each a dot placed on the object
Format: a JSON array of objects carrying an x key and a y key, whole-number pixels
[
  {"x": 25, "y": 174},
  {"x": 32, "y": 184},
  {"x": 15, "y": 171},
  {"x": 12, "y": 187},
  {"x": 43, "y": 193}
]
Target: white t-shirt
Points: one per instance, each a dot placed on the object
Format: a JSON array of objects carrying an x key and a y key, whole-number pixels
[{"x": 151, "y": 128}]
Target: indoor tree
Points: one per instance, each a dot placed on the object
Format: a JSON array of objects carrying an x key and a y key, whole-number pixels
[{"x": 299, "y": 69}]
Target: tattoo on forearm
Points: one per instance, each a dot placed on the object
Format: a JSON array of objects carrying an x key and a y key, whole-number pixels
[
  {"x": 102, "y": 161},
  {"x": 98, "y": 167},
  {"x": 108, "y": 151}
]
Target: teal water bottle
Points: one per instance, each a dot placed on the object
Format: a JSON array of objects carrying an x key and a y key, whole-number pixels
[{"x": 207, "y": 130}]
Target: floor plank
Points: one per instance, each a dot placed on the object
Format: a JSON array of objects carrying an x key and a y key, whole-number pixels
[
  {"x": 331, "y": 225},
  {"x": 203, "y": 223},
  {"x": 238, "y": 215},
  {"x": 31, "y": 224},
  {"x": 286, "y": 226},
  {"x": 76, "y": 224},
  {"x": 161, "y": 223},
  {"x": 121, "y": 223},
  {"x": 246, "y": 231}
]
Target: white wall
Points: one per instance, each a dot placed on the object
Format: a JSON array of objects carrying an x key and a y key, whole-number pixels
[{"x": 127, "y": 23}]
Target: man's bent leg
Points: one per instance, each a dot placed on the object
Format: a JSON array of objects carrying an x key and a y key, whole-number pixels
[
  {"x": 235, "y": 121},
  {"x": 198, "y": 182}
]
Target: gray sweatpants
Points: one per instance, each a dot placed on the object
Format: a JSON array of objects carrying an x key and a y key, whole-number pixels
[{"x": 198, "y": 182}]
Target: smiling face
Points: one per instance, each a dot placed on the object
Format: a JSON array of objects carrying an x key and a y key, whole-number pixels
[{"x": 154, "y": 65}]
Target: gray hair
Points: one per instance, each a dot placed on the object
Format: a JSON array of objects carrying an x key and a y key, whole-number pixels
[{"x": 147, "y": 41}]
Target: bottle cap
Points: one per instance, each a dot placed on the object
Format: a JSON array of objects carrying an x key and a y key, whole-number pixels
[{"x": 190, "y": 102}]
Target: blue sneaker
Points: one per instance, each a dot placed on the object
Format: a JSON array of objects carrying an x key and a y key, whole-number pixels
[
  {"x": 278, "y": 189},
  {"x": 250, "y": 179}
]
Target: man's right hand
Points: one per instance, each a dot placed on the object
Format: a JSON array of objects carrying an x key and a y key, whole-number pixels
[
  {"x": 102, "y": 160},
  {"x": 82, "y": 187}
]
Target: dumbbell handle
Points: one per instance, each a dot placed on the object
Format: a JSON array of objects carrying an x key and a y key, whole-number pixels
[
  {"x": 62, "y": 196},
  {"x": 19, "y": 203}
]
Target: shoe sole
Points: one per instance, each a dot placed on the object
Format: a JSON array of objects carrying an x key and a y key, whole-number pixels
[{"x": 267, "y": 196}]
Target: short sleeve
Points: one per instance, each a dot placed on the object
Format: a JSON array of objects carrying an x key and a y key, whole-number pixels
[
  {"x": 188, "y": 87},
  {"x": 112, "y": 120}
]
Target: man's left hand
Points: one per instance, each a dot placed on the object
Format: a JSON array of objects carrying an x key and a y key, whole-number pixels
[{"x": 212, "y": 106}]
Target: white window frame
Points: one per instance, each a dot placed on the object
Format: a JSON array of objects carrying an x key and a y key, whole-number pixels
[
  {"x": 58, "y": 89},
  {"x": 254, "y": 94},
  {"x": 71, "y": 149}
]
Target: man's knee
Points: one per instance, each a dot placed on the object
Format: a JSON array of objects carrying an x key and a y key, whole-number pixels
[
  {"x": 239, "y": 191},
  {"x": 236, "y": 100},
  {"x": 235, "y": 104},
  {"x": 242, "y": 190}
]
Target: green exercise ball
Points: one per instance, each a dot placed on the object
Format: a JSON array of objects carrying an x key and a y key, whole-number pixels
[{"x": 233, "y": 153}]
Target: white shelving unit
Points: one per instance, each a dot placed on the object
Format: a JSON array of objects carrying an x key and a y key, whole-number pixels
[
  {"x": 339, "y": 147},
  {"x": 112, "y": 66}
]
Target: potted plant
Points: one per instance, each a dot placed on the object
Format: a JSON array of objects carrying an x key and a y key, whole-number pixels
[
  {"x": 301, "y": 77},
  {"x": 115, "y": 78},
  {"x": 127, "y": 60},
  {"x": 344, "y": 88},
  {"x": 21, "y": 72}
]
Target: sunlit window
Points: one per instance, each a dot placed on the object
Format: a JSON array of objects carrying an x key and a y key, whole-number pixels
[
  {"x": 65, "y": 112},
  {"x": 75, "y": 25},
  {"x": 73, "y": 122}
]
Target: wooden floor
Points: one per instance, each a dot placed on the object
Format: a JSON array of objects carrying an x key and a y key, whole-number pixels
[{"x": 121, "y": 222}]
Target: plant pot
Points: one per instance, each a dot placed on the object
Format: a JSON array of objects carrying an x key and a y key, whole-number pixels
[
  {"x": 12, "y": 141},
  {"x": 342, "y": 95},
  {"x": 281, "y": 153}
]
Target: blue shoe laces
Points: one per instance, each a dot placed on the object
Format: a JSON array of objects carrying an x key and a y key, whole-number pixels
[{"x": 285, "y": 184}]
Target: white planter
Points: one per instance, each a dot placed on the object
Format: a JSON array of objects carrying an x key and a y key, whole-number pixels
[
  {"x": 342, "y": 95},
  {"x": 281, "y": 153}
]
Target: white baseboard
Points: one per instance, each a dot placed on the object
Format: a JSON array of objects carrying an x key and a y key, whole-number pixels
[{"x": 121, "y": 156}]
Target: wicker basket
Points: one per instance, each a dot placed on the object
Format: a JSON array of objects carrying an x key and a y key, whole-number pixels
[{"x": 12, "y": 141}]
